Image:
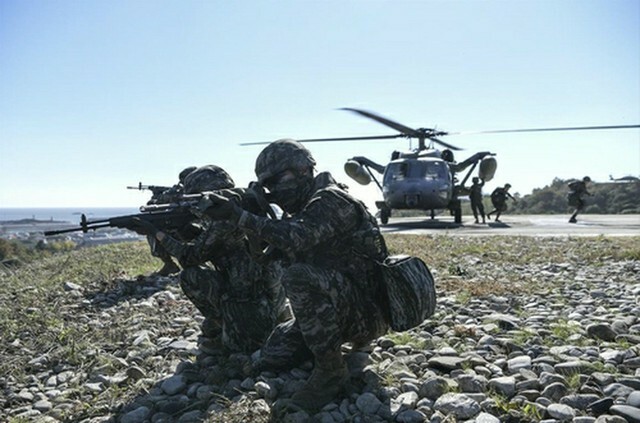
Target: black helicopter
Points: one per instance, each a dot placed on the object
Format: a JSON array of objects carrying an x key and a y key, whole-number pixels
[{"x": 425, "y": 178}]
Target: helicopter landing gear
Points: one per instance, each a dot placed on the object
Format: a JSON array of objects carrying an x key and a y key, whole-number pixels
[{"x": 385, "y": 213}]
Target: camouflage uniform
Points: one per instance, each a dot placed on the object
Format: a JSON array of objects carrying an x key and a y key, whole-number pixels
[
  {"x": 236, "y": 293},
  {"x": 331, "y": 247},
  {"x": 232, "y": 290},
  {"x": 332, "y": 282}
]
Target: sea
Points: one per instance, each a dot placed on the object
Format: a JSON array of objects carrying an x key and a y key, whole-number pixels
[{"x": 63, "y": 214}]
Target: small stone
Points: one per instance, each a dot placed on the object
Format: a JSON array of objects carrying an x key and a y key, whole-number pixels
[
  {"x": 561, "y": 412},
  {"x": 459, "y": 405},
  {"x": 368, "y": 403},
  {"x": 632, "y": 414}
]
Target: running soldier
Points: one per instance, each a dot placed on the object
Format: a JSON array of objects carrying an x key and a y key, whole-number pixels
[
  {"x": 475, "y": 195},
  {"x": 499, "y": 201},
  {"x": 577, "y": 190},
  {"x": 240, "y": 297},
  {"x": 331, "y": 243}
]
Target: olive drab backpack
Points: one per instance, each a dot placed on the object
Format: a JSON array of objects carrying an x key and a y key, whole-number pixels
[
  {"x": 409, "y": 284},
  {"x": 411, "y": 291}
]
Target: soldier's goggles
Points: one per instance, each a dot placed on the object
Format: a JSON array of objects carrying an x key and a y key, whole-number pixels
[{"x": 279, "y": 179}]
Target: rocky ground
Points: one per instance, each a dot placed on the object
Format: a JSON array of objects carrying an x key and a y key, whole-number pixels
[{"x": 565, "y": 350}]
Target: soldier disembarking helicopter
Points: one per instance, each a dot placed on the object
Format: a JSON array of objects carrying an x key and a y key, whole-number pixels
[
  {"x": 499, "y": 200},
  {"x": 475, "y": 196},
  {"x": 577, "y": 190}
]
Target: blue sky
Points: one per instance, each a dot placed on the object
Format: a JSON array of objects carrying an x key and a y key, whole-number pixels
[{"x": 98, "y": 95}]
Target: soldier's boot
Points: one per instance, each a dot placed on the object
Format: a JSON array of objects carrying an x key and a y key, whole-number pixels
[
  {"x": 169, "y": 268},
  {"x": 327, "y": 380},
  {"x": 211, "y": 327}
]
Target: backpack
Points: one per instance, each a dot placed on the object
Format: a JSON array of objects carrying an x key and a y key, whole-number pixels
[
  {"x": 410, "y": 289},
  {"x": 574, "y": 186}
]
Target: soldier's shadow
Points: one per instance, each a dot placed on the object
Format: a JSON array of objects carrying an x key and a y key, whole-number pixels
[
  {"x": 495, "y": 224},
  {"x": 213, "y": 388},
  {"x": 118, "y": 290},
  {"x": 205, "y": 386}
]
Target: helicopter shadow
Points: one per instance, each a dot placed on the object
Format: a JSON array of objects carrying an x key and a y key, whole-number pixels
[{"x": 400, "y": 225}]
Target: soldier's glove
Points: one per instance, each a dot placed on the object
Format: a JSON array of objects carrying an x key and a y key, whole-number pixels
[
  {"x": 219, "y": 207},
  {"x": 143, "y": 227}
]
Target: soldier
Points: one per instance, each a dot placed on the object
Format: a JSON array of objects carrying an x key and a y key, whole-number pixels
[
  {"x": 160, "y": 197},
  {"x": 499, "y": 201},
  {"x": 332, "y": 282},
  {"x": 475, "y": 195},
  {"x": 577, "y": 189},
  {"x": 241, "y": 298}
]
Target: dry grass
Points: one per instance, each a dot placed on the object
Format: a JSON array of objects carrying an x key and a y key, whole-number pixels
[{"x": 37, "y": 316}]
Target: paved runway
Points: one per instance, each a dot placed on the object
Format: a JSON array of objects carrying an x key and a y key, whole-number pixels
[{"x": 527, "y": 225}]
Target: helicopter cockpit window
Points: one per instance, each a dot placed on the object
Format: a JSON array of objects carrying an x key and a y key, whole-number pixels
[
  {"x": 396, "y": 172},
  {"x": 433, "y": 170}
]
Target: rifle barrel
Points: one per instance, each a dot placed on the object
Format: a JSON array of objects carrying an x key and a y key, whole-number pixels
[{"x": 83, "y": 228}]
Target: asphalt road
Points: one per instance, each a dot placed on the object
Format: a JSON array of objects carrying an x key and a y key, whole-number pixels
[{"x": 526, "y": 225}]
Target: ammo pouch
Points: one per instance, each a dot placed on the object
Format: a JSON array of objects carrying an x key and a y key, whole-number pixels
[{"x": 411, "y": 291}]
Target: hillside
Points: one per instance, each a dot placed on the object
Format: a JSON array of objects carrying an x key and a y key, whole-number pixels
[{"x": 525, "y": 329}]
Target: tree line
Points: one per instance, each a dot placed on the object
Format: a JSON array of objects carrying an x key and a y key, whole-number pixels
[{"x": 607, "y": 198}]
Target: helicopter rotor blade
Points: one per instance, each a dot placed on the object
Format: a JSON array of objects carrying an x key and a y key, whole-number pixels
[
  {"x": 570, "y": 128},
  {"x": 391, "y": 124},
  {"x": 449, "y": 146},
  {"x": 373, "y": 137}
]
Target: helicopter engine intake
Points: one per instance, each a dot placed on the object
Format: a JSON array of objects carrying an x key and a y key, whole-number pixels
[
  {"x": 488, "y": 167},
  {"x": 357, "y": 172}
]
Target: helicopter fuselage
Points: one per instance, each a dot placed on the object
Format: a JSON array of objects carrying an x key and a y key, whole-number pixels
[{"x": 417, "y": 183}]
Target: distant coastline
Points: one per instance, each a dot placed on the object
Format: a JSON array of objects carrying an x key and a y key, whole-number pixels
[
  {"x": 38, "y": 215},
  {"x": 29, "y": 222}
]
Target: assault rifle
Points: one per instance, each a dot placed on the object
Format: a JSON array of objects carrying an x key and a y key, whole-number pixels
[
  {"x": 253, "y": 199},
  {"x": 167, "y": 219},
  {"x": 155, "y": 189},
  {"x": 175, "y": 215}
]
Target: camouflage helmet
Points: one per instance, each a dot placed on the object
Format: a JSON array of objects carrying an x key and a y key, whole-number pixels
[
  {"x": 281, "y": 155},
  {"x": 185, "y": 172},
  {"x": 507, "y": 185},
  {"x": 207, "y": 178},
  {"x": 586, "y": 179}
]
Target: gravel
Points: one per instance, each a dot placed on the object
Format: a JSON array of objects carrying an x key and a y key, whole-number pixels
[{"x": 566, "y": 351}]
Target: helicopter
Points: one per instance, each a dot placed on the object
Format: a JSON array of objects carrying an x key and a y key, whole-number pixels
[
  {"x": 624, "y": 179},
  {"x": 425, "y": 178}
]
